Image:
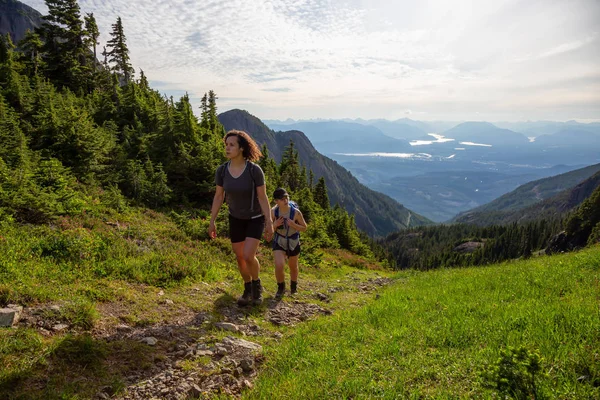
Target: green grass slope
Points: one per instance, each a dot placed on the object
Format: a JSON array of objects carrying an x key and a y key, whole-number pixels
[{"x": 449, "y": 334}]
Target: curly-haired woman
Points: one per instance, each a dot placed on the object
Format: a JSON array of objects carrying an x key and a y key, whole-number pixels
[{"x": 249, "y": 212}]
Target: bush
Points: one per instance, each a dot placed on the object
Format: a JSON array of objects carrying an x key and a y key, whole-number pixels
[{"x": 515, "y": 374}]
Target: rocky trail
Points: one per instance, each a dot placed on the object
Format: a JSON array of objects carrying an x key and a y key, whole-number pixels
[{"x": 199, "y": 353}]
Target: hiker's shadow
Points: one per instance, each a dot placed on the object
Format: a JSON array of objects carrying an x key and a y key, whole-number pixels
[{"x": 226, "y": 307}]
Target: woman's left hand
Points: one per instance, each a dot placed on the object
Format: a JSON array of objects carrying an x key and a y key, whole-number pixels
[{"x": 268, "y": 231}]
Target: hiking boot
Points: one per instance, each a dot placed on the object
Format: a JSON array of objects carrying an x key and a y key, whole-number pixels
[
  {"x": 245, "y": 298},
  {"x": 280, "y": 291},
  {"x": 256, "y": 293},
  {"x": 293, "y": 287}
]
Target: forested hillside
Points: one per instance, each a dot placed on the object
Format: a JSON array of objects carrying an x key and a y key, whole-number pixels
[
  {"x": 462, "y": 244},
  {"x": 81, "y": 136},
  {"x": 539, "y": 198}
]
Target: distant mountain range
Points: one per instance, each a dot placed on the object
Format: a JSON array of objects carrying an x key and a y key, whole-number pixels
[
  {"x": 16, "y": 18},
  {"x": 334, "y": 137},
  {"x": 478, "y": 163},
  {"x": 548, "y": 197},
  {"x": 539, "y": 128},
  {"x": 375, "y": 213},
  {"x": 486, "y": 133}
]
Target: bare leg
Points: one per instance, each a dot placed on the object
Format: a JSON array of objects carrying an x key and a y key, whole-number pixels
[
  {"x": 293, "y": 263},
  {"x": 238, "y": 249},
  {"x": 279, "y": 256},
  {"x": 253, "y": 266}
]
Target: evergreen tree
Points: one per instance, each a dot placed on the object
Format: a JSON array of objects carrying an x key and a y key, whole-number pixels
[
  {"x": 10, "y": 80},
  {"x": 64, "y": 50},
  {"x": 32, "y": 46},
  {"x": 320, "y": 194},
  {"x": 289, "y": 169},
  {"x": 92, "y": 33},
  {"x": 119, "y": 53}
]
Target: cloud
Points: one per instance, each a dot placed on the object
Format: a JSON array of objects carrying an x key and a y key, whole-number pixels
[
  {"x": 358, "y": 58},
  {"x": 280, "y": 90},
  {"x": 566, "y": 47}
]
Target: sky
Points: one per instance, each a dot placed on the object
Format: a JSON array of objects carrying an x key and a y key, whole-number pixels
[{"x": 493, "y": 60}]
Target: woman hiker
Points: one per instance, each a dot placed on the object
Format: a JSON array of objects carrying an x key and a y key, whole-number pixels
[
  {"x": 243, "y": 182},
  {"x": 287, "y": 223}
]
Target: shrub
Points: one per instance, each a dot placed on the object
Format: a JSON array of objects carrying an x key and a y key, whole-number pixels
[{"x": 515, "y": 374}]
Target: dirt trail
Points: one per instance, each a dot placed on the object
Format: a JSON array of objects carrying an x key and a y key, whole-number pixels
[{"x": 196, "y": 354}]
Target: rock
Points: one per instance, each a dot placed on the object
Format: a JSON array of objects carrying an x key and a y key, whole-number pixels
[
  {"x": 161, "y": 293},
  {"x": 123, "y": 328},
  {"x": 10, "y": 315},
  {"x": 322, "y": 297},
  {"x": 202, "y": 353},
  {"x": 194, "y": 391},
  {"x": 247, "y": 364},
  {"x": 45, "y": 332},
  {"x": 468, "y": 247},
  {"x": 227, "y": 326},
  {"x": 247, "y": 384},
  {"x": 169, "y": 301},
  {"x": 150, "y": 341},
  {"x": 60, "y": 327},
  {"x": 561, "y": 242},
  {"x": 241, "y": 343}
]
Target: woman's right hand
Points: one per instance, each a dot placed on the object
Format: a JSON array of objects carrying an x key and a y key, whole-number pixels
[
  {"x": 212, "y": 230},
  {"x": 278, "y": 222}
]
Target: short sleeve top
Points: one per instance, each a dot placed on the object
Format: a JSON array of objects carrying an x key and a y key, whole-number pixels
[{"x": 241, "y": 193}]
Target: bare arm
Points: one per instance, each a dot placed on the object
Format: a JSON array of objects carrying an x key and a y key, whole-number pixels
[
  {"x": 266, "y": 210},
  {"x": 214, "y": 211},
  {"x": 299, "y": 222}
]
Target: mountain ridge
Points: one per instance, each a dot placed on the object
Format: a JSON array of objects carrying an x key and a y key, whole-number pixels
[
  {"x": 16, "y": 18},
  {"x": 543, "y": 197}
]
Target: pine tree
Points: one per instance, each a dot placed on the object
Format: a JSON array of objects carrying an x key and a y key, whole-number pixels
[
  {"x": 289, "y": 169},
  {"x": 11, "y": 84},
  {"x": 64, "y": 50},
  {"x": 119, "y": 53},
  {"x": 91, "y": 36},
  {"x": 320, "y": 194},
  {"x": 32, "y": 46},
  {"x": 212, "y": 111}
]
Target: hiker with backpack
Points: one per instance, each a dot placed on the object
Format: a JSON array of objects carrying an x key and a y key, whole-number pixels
[
  {"x": 288, "y": 222},
  {"x": 242, "y": 183}
]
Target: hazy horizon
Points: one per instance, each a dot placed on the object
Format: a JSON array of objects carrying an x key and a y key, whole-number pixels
[{"x": 506, "y": 61}]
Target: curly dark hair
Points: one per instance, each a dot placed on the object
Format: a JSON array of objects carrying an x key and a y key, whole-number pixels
[{"x": 250, "y": 149}]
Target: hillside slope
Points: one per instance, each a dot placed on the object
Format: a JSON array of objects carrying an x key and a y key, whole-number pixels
[
  {"x": 375, "y": 213},
  {"x": 16, "y": 18},
  {"x": 553, "y": 195}
]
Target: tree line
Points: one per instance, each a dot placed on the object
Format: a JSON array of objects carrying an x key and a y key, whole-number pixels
[
  {"x": 76, "y": 131},
  {"x": 460, "y": 245}
]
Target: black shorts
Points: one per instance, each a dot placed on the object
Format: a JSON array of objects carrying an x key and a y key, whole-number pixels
[
  {"x": 292, "y": 253},
  {"x": 240, "y": 229}
]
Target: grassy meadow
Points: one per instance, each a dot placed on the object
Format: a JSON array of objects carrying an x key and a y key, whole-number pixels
[{"x": 524, "y": 329}]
